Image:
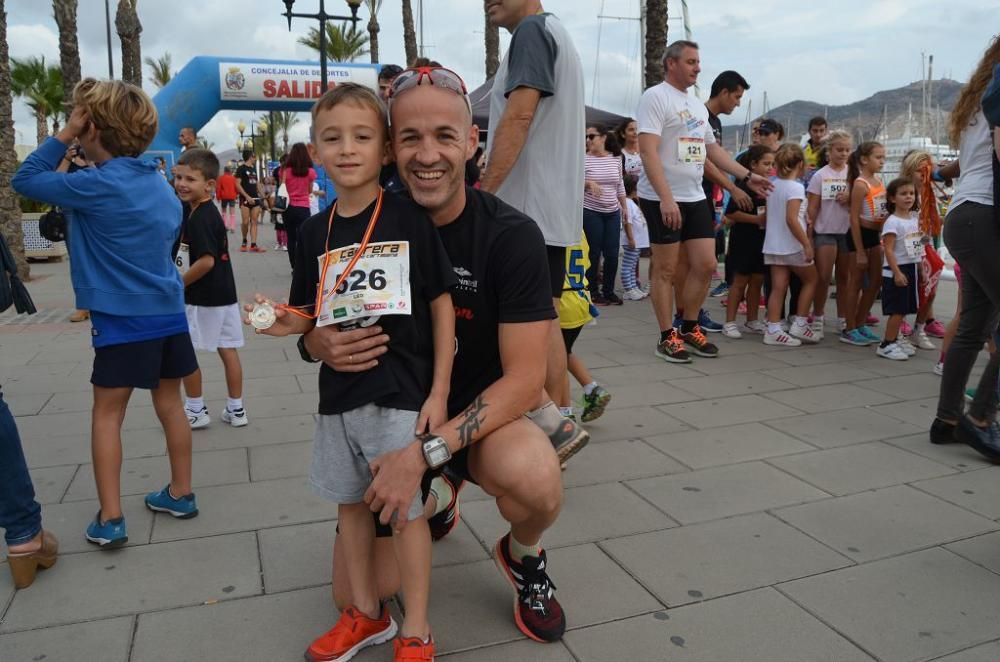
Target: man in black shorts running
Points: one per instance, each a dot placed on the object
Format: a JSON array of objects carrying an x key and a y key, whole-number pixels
[{"x": 675, "y": 141}]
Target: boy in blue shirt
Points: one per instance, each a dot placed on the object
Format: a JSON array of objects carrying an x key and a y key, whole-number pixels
[{"x": 125, "y": 221}]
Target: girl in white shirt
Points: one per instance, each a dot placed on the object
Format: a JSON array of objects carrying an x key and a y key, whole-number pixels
[
  {"x": 903, "y": 248},
  {"x": 787, "y": 250}
]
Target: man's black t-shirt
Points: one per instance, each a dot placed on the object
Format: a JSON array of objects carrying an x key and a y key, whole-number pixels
[
  {"x": 499, "y": 256},
  {"x": 248, "y": 180},
  {"x": 707, "y": 184},
  {"x": 205, "y": 234},
  {"x": 403, "y": 377}
]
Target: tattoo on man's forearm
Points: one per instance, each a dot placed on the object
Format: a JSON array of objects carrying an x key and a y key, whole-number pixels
[{"x": 472, "y": 420}]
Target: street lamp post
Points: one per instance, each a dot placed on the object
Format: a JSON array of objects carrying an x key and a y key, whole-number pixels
[{"x": 322, "y": 17}]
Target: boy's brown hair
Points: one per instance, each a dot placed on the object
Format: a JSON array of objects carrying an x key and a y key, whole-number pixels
[
  {"x": 202, "y": 161},
  {"x": 354, "y": 93},
  {"x": 123, "y": 114}
]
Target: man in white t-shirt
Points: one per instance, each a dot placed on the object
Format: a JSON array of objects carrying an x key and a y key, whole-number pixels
[{"x": 675, "y": 141}]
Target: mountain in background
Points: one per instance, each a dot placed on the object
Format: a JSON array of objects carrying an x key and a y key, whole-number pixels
[{"x": 864, "y": 118}]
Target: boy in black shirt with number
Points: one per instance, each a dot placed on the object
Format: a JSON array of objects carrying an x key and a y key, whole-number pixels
[
  {"x": 372, "y": 254},
  {"x": 209, "y": 287}
]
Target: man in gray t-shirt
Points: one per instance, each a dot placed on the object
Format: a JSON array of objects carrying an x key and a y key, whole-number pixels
[{"x": 535, "y": 163}]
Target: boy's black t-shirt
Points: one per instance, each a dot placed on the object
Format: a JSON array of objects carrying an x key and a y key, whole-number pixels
[
  {"x": 403, "y": 377},
  {"x": 747, "y": 230},
  {"x": 205, "y": 234},
  {"x": 499, "y": 256},
  {"x": 248, "y": 180},
  {"x": 706, "y": 183}
]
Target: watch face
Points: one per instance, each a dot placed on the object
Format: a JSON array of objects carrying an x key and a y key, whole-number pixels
[{"x": 437, "y": 453}]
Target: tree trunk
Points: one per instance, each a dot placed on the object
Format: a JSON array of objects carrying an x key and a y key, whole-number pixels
[
  {"x": 41, "y": 126},
  {"x": 409, "y": 33},
  {"x": 129, "y": 28},
  {"x": 656, "y": 40},
  {"x": 373, "y": 29},
  {"x": 492, "y": 48},
  {"x": 10, "y": 210},
  {"x": 69, "y": 48}
]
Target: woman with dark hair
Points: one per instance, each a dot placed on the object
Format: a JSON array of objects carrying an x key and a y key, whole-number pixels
[
  {"x": 604, "y": 207},
  {"x": 298, "y": 176},
  {"x": 627, "y": 134}
]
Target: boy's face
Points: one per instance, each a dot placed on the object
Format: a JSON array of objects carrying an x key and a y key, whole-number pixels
[
  {"x": 351, "y": 143},
  {"x": 191, "y": 185}
]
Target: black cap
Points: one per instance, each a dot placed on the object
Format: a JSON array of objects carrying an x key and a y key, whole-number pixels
[{"x": 769, "y": 126}]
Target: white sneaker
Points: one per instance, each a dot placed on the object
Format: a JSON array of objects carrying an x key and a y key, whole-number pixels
[
  {"x": 785, "y": 325},
  {"x": 817, "y": 329},
  {"x": 277, "y": 247},
  {"x": 730, "y": 330},
  {"x": 198, "y": 419},
  {"x": 635, "y": 294},
  {"x": 781, "y": 338},
  {"x": 841, "y": 324},
  {"x": 755, "y": 327},
  {"x": 803, "y": 333},
  {"x": 939, "y": 368},
  {"x": 236, "y": 418},
  {"x": 892, "y": 351},
  {"x": 906, "y": 346},
  {"x": 921, "y": 341},
  {"x": 645, "y": 287}
]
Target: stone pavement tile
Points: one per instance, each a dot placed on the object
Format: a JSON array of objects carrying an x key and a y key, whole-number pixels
[
  {"x": 727, "y": 411},
  {"x": 978, "y": 491},
  {"x": 986, "y": 653},
  {"x": 918, "y": 412},
  {"x": 27, "y": 404},
  {"x": 699, "y": 449},
  {"x": 140, "y": 579},
  {"x": 271, "y": 406},
  {"x": 76, "y": 401},
  {"x": 588, "y": 514},
  {"x": 844, "y": 427},
  {"x": 51, "y": 482},
  {"x": 860, "y": 467},
  {"x": 16, "y": 372},
  {"x": 656, "y": 393},
  {"x": 58, "y": 354},
  {"x": 909, "y": 387},
  {"x": 106, "y": 640},
  {"x": 815, "y": 399},
  {"x": 830, "y": 351},
  {"x": 261, "y": 387},
  {"x": 615, "y": 461},
  {"x": 650, "y": 372},
  {"x": 144, "y": 475},
  {"x": 884, "y": 522},
  {"x": 259, "y": 432},
  {"x": 39, "y": 382},
  {"x": 739, "y": 383},
  {"x": 45, "y": 425},
  {"x": 594, "y": 360},
  {"x": 253, "y": 370},
  {"x": 472, "y": 606},
  {"x": 248, "y": 506},
  {"x": 922, "y": 363},
  {"x": 288, "y": 622},
  {"x": 818, "y": 375},
  {"x": 959, "y": 456},
  {"x": 308, "y": 384},
  {"x": 6, "y": 586},
  {"x": 529, "y": 651},
  {"x": 982, "y": 550},
  {"x": 758, "y": 626},
  {"x": 911, "y": 607},
  {"x": 22, "y": 356},
  {"x": 632, "y": 422},
  {"x": 589, "y": 344},
  {"x": 706, "y": 561},
  {"x": 623, "y": 355},
  {"x": 728, "y": 364},
  {"x": 69, "y": 520},
  {"x": 74, "y": 449},
  {"x": 720, "y": 492},
  {"x": 280, "y": 460}
]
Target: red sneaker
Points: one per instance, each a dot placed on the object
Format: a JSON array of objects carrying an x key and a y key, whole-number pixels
[
  {"x": 353, "y": 632},
  {"x": 243, "y": 247},
  {"x": 254, "y": 248},
  {"x": 537, "y": 613},
  {"x": 442, "y": 523},
  {"x": 935, "y": 328},
  {"x": 412, "y": 648}
]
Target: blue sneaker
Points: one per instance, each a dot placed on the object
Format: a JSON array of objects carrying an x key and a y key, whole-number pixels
[
  {"x": 720, "y": 290},
  {"x": 183, "y": 507},
  {"x": 870, "y": 335},
  {"x": 855, "y": 337},
  {"x": 707, "y": 323},
  {"x": 107, "y": 535}
]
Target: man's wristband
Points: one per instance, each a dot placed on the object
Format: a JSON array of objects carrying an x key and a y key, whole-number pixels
[{"x": 303, "y": 352}]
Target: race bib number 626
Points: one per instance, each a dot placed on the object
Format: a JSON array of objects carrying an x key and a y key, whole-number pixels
[{"x": 377, "y": 284}]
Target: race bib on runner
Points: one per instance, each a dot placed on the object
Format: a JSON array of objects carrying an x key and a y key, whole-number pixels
[
  {"x": 833, "y": 187},
  {"x": 378, "y": 284},
  {"x": 913, "y": 242},
  {"x": 691, "y": 151},
  {"x": 183, "y": 259},
  {"x": 881, "y": 210}
]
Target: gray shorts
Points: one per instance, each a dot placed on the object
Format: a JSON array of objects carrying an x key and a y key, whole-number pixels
[
  {"x": 792, "y": 260},
  {"x": 344, "y": 444},
  {"x": 838, "y": 240}
]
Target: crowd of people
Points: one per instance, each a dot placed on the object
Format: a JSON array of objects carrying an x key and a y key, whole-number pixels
[{"x": 442, "y": 296}]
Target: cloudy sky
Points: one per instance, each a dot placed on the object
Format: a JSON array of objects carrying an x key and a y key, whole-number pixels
[{"x": 832, "y": 53}]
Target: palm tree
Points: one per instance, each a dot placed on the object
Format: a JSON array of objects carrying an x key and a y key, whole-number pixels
[
  {"x": 129, "y": 28},
  {"x": 374, "y": 6},
  {"x": 343, "y": 44},
  {"x": 204, "y": 143},
  {"x": 69, "y": 48},
  {"x": 492, "y": 48},
  {"x": 656, "y": 40},
  {"x": 409, "y": 33},
  {"x": 42, "y": 88},
  {"x": 284, "y": 120},
  {"x": 159, "y": 69},
  {"x": 10, "y": 210}
]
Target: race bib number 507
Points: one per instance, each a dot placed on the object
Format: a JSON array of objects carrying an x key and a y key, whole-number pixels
[{"x": 377, "y": 284}]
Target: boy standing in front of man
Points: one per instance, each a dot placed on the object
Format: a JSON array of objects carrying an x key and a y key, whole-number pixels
[
  {"x": 367, "y": 415},
  {"x": 213, "y": 311},
  {"x": 125, "y": 220}
]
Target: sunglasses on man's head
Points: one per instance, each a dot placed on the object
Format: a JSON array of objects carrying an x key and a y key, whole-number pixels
[{"x": 437, "y": 76}]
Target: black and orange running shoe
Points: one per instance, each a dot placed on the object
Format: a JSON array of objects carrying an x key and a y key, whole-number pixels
[
  {"x": 696, "y": 340},
  {"x": 671, "y": 349},
  {"x": 537, "y": 613}
]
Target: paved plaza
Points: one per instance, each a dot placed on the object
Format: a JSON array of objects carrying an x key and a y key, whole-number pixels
[{"x": 772, "y": 505}]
